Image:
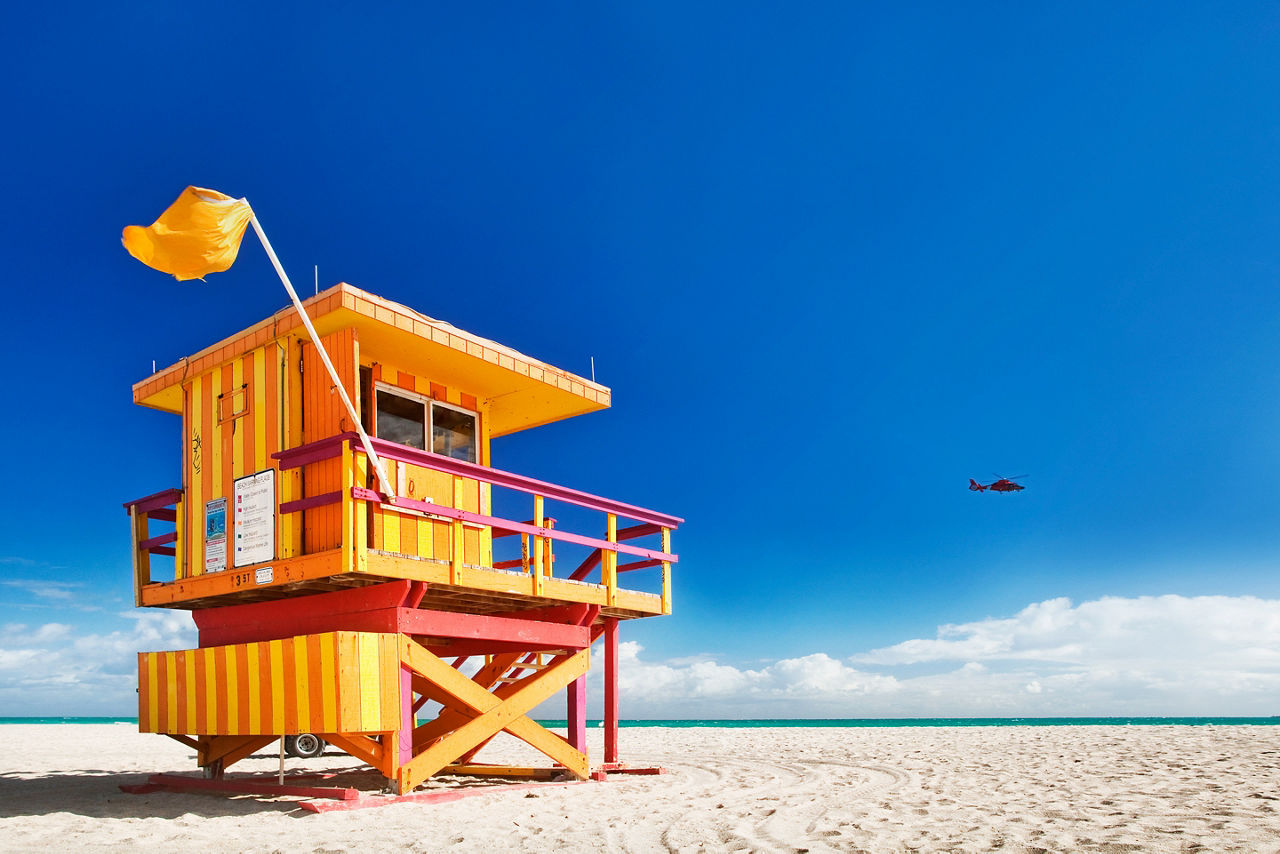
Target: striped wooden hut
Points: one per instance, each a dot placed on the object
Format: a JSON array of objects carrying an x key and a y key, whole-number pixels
[{"x": 326, "y": 606}]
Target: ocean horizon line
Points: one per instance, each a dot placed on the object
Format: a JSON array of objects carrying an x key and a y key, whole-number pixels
[{"x": 852, "y": 723}]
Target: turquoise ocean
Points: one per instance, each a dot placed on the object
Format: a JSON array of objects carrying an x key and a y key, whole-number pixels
[{"x": 822, "y": 722}]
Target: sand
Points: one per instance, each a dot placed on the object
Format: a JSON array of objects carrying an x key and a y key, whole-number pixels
[{"x": 1008, "y": 789}]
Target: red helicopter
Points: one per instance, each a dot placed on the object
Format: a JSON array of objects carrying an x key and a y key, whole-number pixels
[{"x": 1003, "y": 484}]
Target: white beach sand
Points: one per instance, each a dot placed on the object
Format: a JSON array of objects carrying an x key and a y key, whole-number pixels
[{"x": 1009, "y": 789}]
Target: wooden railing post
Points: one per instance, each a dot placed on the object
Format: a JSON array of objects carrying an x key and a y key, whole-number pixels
[
  {"x": 360, "y": 516},
  {"x": 609, "y": 564},
  {"x": 141, "y": 558},
  {"x": 455, "y": 537},
  {"x": 348, "y": 510},
  {"x": 666, "y": 572},
  {"x": 179, "y": 556},
  {"x": 539, "y": 545}
]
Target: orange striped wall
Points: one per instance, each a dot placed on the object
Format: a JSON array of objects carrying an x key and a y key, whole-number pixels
[
  {"x": 408, "y": 533},
  {"x": 323, "y": 416},
  {"x": 234, "y": 417},
  {"x": 337, "y": 682}
]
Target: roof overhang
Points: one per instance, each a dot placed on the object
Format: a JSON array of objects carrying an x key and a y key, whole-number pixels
[{"x": 520, "y": 392}]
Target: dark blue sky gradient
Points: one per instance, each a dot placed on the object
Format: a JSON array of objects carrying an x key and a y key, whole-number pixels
[{"x": 833, "y": 261}]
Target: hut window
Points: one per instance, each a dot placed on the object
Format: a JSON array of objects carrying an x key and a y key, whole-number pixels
[
  {"x": 402, "y": 420},
  {"x": 407, "y": 419},
  {"x": 453, "y": 432}
]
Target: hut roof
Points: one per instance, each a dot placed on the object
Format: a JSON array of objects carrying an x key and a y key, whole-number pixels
[{"x": 521, "y": 391}]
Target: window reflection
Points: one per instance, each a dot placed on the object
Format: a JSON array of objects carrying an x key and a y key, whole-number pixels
[
  {"x": 453, "y": 433},
  {"x": 401, "y": 420}
]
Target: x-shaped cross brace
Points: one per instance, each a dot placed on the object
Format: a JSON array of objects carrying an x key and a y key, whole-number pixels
[{"x": 481, "y": 714}]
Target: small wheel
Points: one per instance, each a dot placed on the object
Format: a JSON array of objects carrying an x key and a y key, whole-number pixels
[{"x": 305, "y": 746}]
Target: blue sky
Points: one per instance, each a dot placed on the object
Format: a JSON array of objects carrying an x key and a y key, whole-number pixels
[{"x": 833, "y": 262}]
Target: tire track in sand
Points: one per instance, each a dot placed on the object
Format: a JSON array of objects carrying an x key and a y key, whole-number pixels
[{"x": 767, "y": 805}]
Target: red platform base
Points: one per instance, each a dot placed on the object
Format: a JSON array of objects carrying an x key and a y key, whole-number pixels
[{"x": 319, "y": 798}]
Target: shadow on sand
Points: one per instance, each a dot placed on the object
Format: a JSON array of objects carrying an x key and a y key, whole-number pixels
[{"x": 95, "y": 793}]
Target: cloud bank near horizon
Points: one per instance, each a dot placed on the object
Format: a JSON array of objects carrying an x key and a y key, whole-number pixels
[{"x": 1149, "y": 655}]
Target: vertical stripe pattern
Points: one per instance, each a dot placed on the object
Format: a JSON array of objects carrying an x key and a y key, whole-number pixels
[
  {"x": 231, "y": 420},
  {"x": 344, "y": 682}
]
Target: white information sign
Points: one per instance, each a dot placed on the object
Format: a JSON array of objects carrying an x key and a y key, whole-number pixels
[
  {"x": 215, "y": 535},
  {"x": 254, "y": 514}
]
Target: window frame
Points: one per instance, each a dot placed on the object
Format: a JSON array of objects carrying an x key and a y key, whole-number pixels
[{"x": 428, "y": 422}]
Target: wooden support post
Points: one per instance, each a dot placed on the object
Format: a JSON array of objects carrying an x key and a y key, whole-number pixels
[
  {"x": 539, "y": 546},
  {"x": 405, "y": 736},
  {"x": 666, "y": 572},
  {"x": 610, "y": 690},
  {"x": 455, "y": 536},
  {"x": 609, "y": 564},
  {"x": 576, "y": 714},
  {"x": 141, "y": 559}
]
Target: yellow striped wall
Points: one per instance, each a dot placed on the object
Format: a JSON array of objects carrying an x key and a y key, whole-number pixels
[
  {"x": 337, "y": 682},
  {"x": 234, "y": 417}
]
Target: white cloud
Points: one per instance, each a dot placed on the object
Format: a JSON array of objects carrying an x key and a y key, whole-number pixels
[
  {"x": 59, "y": 591},
  {"x": 51, "y": 670},
  {"x": 1151, "y": 655}
]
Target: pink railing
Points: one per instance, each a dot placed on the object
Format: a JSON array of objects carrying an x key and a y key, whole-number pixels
[{"x": 605, "y": 550}]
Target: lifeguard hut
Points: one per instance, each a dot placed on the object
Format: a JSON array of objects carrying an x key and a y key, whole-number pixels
[{"x": 326, "y": 605}]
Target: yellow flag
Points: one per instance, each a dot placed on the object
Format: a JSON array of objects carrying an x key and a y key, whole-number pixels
[{"x": 199, "y": 234}]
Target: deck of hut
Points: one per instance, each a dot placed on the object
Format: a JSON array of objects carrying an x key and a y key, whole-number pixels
[{"x": 325, "y": 605}]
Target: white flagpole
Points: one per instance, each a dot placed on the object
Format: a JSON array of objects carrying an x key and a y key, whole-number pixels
[{"x": 324, "y": 357}]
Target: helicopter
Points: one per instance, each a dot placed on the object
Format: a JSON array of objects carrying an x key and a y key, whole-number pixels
[{"x": 1001, "y": 484}]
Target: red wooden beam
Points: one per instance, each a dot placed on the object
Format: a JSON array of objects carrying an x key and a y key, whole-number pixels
[
  {"x": 427, "y": 797},
  {"x": 276, "y": 619},
  {"x": 476, "y": 627},
  {"x": 155, "y": 501},
  {"x": 593, "y": 559},
  {"x": 382, "y": 608},
  {"x": 314, "y": 501},
  {"x": 445, "y": 648},
  {"x": 577, "y": 614},
  {"x": 639, "y": 564},
  {"x": 584, "y": 568},
  {"x": 162, "y": 540},
  {"x": 178, "y": 782}
]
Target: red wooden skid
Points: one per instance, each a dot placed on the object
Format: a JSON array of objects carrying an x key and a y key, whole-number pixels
[
  {"x": 618, "y": 768},
  {"x": 178, "y": 782},
  {"x": 426, "y": 797}
]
